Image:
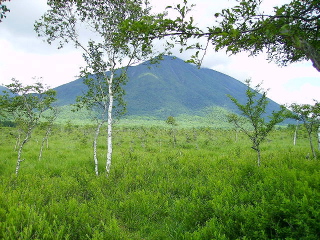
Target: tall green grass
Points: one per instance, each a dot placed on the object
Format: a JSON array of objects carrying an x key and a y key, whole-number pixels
[{"x": 204, "y": 185}]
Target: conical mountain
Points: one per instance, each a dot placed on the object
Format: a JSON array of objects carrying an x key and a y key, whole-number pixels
[{"x": 172, "y": 87}]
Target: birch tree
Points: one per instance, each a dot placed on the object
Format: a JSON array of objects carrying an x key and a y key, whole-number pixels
[
  {"x": 96, "y": 99},
  {"x": 26, "y": 105},
  {"x": 252, "y": 114},
  {"x": 309, "y": 115},
  {"x": 49, "y": 120},
  {"x": 93, "y": 26}
]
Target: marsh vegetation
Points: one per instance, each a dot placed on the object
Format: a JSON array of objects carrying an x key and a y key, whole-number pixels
[{"x": 205, "y": 185}]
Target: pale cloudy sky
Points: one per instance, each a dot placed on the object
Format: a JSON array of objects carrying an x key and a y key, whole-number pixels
[{"x": 23, "y": 55}]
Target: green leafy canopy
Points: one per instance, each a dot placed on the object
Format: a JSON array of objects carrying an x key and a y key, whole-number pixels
[{"x": 289, "y": 34}]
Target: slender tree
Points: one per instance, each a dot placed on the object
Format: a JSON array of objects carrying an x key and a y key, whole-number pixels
[
  {"x": 106, "y": 49},
  {"x": 310, "y": 116},
  {"x": 295, "y": 133},
  {"x": 172, "y": 122},
  {"x": 26, "y": 105},
  {"x": 252, "y": 113},
  {"x": 49, "y": 120}
]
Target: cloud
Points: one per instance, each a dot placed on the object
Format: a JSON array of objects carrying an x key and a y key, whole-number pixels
[
  {"x": 306, "y": 94},
  {"x": 56, "y": 69},
  {"x": 18, "y": 27},
  {"x": 24, "y": 55},
  {"x": 20, "y": 20}
]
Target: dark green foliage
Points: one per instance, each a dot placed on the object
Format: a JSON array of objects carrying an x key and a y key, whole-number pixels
[
  {"x": 7, "y": 123},
  {"x": 171, "y": 121},
  {"x": 290, "y": 33},
  {"x": 207, "y": 187}
]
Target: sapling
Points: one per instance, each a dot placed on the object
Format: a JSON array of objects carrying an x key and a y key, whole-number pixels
[
  {"x": 252, "y": 115},
  {"x": 295, "y": 134},
  {"x": 48, "y": 124},
  {"x": 172, "y": 122}
]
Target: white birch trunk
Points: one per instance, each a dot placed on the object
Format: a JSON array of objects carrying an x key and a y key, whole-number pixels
[
  {"x": 20, "y": 150},
  {"x": 95, "y": 141},
  {"x": 109, "y": 140},
  {"x": 41, "y": 148},
  {"x": 48, "y": 131},
  {"x": 45, "y": 139}
]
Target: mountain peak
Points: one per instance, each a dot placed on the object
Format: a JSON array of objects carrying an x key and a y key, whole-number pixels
[{"x": 171, "y": 87}]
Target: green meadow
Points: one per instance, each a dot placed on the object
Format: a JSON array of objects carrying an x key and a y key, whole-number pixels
[{"x": 165, "y": 183}]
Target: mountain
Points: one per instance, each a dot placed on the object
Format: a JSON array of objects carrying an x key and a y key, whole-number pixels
[
  {"x": 171, "y": 87},
  {"x": 2, "y": 88}
]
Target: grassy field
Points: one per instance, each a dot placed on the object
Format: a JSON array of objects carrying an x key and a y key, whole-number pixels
[{"x": 181, "y": 183}]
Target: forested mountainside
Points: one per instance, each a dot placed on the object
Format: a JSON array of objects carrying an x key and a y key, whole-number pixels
[{"x": 172, "y": 87}]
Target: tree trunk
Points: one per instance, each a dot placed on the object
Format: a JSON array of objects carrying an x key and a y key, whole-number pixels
[
  {"x": 319, "y": 137},
  {"x": 45, "y": 139},
  {"x": 311, "y": 53},
  {"x": 259, "y": 156},
  {"x": 41, "y": 148},
  {"x": 257, "y": 149},
  {"x": 311, "y": 145},
  {"x": 295, "y": 135},
  {"x": 109, "y": 140},
  {"x": 20, "y": 150},
  {"x": 95, "y": 141},
  {"x": 17, "y": 141}
]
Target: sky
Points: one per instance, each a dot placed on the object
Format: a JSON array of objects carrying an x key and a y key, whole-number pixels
[{"x": 25, "y": 56}]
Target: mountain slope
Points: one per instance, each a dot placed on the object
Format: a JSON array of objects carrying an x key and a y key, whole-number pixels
[
  {"x": 2, "y": 88},
  {"x": 171, "y": 87}
]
